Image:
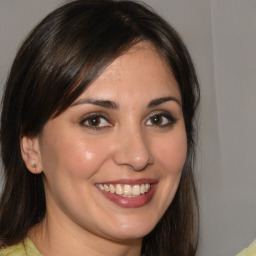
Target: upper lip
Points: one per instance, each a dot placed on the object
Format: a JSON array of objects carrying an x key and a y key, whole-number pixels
[{"x": 129, "y": 181}]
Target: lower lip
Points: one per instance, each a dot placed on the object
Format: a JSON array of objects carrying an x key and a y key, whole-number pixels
[{"x": 130, "y": 202}]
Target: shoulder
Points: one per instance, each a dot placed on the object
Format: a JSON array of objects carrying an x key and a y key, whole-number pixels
[
  {"x": 250, "y": 251},
  {"x": 15, "y": 250},
  {"x": 24, "y": 248}
]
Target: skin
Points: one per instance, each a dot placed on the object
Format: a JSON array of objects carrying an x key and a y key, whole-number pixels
[{"x": 128, "y": 144}]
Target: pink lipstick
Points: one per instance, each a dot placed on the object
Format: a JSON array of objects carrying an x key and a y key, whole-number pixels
[{"x": 128, "y": 193}]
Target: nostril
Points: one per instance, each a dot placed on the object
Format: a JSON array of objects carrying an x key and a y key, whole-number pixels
[
  {"x": 133, "y": 152},
  {"x": 141, "y": 161}
]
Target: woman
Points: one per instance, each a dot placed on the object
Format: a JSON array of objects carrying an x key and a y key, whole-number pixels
[{"x": 98, "y": 130}]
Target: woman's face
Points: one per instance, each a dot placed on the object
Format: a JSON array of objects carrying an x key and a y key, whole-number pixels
[{"x": 112, "y": 161}]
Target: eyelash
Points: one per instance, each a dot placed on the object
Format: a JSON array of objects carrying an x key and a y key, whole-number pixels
[
  {"x": 90, "y": 117},
  {"x": 170, "y": 120}
]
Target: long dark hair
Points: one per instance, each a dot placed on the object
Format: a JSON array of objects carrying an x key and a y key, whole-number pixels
[{"x": 64, "y": 54}]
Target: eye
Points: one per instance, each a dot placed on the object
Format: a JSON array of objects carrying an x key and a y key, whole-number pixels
[
  {"x": 95, "y": 121},
  {"x": 161, "y": 119}
]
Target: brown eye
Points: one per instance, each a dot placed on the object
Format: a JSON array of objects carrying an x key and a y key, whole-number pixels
[
  {"x": 95, "y": 122},
  {"x": 161, "y": 120},
  {"x": 157, "y": 120}
]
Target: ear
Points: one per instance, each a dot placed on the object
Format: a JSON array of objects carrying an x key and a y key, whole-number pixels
[{"x": 30, "y": 152}]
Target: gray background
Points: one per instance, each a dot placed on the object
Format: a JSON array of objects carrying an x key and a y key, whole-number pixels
[{"x": 221, "y": 36}]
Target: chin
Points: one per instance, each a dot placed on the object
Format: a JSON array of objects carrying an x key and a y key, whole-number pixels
[{"x": 135, "y": 231}]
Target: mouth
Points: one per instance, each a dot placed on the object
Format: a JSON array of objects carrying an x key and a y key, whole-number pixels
[
  {"x": 125, "y": 190},
  {"x": 128, "y": 194}
]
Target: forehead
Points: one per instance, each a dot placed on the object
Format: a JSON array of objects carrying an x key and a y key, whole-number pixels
[
  {"x": 142, "y": 55},
  {"x": 140, "y": 70}
]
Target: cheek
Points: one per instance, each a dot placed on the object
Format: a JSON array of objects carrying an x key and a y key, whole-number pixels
[
  {"x": 170, "y": 156},
  {"x": 74, "y": 157},
  {"x": 171, "y": 153},
  {"x": 87, "y": 159}
]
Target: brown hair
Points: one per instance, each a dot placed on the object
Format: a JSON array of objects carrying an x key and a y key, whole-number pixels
[{"x": 75, "y": 43}]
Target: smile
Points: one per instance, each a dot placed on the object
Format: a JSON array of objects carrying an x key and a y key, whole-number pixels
[
  {"x": 125, "y": 190},
  {"x": 129, "y": 193}
]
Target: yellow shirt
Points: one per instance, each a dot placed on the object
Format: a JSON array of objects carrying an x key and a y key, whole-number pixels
[
  {"x": 26, "y": 248},
  {"x": 250, "y": 251}
]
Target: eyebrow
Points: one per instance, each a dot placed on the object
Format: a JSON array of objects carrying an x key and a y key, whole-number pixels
[
  {"x": 160, "y": 101},
  {"x": 112, "y": 105},
  {"x": 101, "y": 103}
]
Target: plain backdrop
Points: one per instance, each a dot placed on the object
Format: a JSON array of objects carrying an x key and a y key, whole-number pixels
[{"x": 221, "y": 36}]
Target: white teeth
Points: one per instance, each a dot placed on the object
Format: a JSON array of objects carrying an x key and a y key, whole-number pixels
[
  {"x": 136, "y": 190},
  {"x": 101, "y": 186},
  {"x": 112, "y": 188},
  {"x": 106, "y": 187},
  {"x": 125, "y": 190},
  {"x": 119, "y": 189},
  {"x": 142, "y": 189}
]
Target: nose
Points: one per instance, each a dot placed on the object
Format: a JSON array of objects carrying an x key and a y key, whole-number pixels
[{"x": 133, "y": 150}]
